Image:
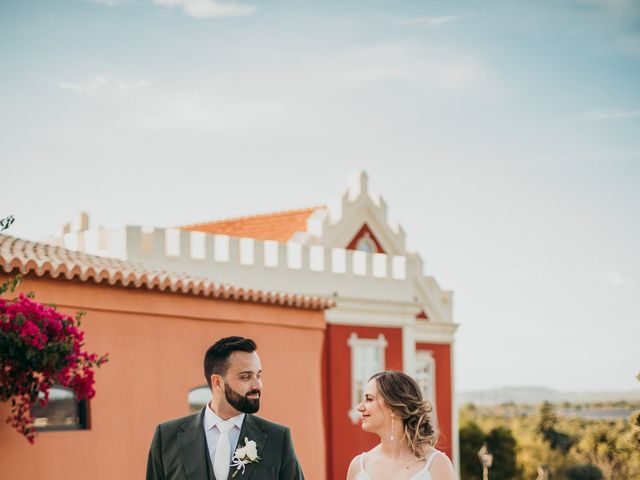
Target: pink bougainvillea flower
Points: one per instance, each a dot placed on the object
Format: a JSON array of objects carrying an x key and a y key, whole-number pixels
[{"x": 40, "y": 347}]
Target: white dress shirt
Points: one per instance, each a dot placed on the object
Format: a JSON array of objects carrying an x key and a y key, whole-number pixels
[{"x": 211, "y": 420}]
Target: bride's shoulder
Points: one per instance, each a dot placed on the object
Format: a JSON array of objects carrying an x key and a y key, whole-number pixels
[
  {"x": 354, "y": 467},
  {"x": 440, "y": 467},
  {"x": 356, "y": 464}
]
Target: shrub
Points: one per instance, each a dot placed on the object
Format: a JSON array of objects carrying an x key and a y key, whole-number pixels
[{"x": 40, "y": 347}]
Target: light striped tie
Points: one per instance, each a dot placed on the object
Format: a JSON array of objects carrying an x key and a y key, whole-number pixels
[{"x": 222, "y": 457}]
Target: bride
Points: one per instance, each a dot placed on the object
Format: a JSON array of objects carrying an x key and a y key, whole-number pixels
[{"x": 393, "y": 409}]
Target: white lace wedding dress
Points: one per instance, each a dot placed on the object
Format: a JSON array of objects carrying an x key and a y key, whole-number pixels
[{"x": 423, "y": 474}]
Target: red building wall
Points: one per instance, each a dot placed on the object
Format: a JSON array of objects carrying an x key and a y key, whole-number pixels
[
  {"x": 442, "y": 356},
  {"x": 344, "y": 439}
]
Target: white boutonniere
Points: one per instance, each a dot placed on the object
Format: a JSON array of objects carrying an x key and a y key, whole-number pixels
[{"x": 243, "y": 455}]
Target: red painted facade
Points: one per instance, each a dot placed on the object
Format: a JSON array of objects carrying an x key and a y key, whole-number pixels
[
  {"x": 444, "y": 399},
  {"x": 344, "y": 439}
]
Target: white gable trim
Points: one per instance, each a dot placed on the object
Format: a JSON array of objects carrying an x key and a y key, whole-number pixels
[{"x": 337, "y": 227}]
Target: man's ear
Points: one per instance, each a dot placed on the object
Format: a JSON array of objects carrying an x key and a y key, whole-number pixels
[{"x": 216, "y": 381}]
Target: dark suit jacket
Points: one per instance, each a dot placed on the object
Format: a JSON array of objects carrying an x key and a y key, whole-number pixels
[{"x": 179, "y": 451}]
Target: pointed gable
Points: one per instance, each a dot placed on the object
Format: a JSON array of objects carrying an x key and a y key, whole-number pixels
[
  {"x": 366, "y": 236},
  {"x": 359, "y": 213}
]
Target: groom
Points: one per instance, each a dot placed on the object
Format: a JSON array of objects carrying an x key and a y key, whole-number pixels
[{"x": 225, "y": 440}]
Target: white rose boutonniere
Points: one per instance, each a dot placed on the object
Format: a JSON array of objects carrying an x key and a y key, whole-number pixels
[{"x": 248, "y": 453}]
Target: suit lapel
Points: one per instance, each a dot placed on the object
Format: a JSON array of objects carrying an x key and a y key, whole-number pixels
[
  {"x": 192, "y": 445},
  {"x": 251, "y": 431}
]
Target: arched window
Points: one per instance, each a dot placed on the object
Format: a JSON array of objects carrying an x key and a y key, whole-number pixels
[
  {"x": 366, "y": 244},
  {"x": 62, "y": 412},
  {"x": 198, "y": 397}
]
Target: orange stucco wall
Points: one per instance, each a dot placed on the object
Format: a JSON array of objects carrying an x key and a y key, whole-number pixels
[
  {"x": 444, "y": 400},
  {"x": 346, "y": 440},
  {"x": 156, "y": 342}
]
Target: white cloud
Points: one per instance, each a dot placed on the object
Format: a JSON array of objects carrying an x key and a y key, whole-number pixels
[
  {"x": 610, "y": 114},
  {"x": 208, "y": 8},
  {"x": 100, "y": 83},
  {"x": 428, "y": 22}
]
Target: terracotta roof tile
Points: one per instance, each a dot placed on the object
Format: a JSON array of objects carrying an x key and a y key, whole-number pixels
[
  {"x": 23, "y": 256},
  {"x": 278, "y": 226}
]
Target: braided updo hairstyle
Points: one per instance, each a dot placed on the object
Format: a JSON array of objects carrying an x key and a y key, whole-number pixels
[{"x": 402, "y": 395}]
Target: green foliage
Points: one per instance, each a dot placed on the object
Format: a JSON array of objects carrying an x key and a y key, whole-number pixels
[
  {"x": 6, "y": 222},
  {"x": 635, "y": 430},
  {"x": 10, "y": 285},
  {"x": 502, "y": 444},
  {"x": 611, "y": 446},
  {"x": 547, "y": 419},
  {"x": 471, "y": 439},
  {"x": 547, "y": 422},
  {"x": 584, "y": 472}
]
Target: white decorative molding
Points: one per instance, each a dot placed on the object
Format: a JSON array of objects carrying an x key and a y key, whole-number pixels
[
  {"x": 409, "y": 348},
  {"x": 435, "y": 332},
  {"x": 378, "y": 312},
  {"x": 344, "y": 218}
]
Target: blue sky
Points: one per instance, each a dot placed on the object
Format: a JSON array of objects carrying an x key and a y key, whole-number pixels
[{"x": 504, "y": 136}]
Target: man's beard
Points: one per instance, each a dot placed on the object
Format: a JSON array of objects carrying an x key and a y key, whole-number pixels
[{"x": 240, "y": 402}]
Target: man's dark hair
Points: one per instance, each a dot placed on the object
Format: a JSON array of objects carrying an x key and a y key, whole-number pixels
[{"x": 216, "y": 360}]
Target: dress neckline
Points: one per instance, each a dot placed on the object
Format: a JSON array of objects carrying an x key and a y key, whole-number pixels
[{"x": 416, "y": 476}]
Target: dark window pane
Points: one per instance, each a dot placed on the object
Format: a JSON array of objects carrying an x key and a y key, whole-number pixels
[{"x": 63, "y": 412}]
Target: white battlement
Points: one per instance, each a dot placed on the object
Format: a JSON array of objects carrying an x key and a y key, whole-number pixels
[
  {"x": 307, "y": 264},
  {"x": 271, "y": 265}
]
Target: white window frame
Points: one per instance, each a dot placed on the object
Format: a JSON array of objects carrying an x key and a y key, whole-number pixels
[
  {"x": 427, "y": 381},
  {"x": 379, "y": 345}
]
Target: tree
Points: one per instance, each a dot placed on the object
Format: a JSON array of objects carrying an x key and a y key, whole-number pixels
[
  {"x": 635, "y": 426},
  {"x": 502, "y": 444},
  {"x": 547, "y": 419},
  {"x": 584, "y": 472},
  {"x": 608, "y": 447},
  {"x": 546, "y": 426},
  {"x": 471, "y": 439}
]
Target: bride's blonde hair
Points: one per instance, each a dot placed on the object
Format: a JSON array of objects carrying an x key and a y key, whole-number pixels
[{"x": 402, "y": 395}]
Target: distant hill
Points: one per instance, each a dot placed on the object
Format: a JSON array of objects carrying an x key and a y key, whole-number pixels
[{"x": 534, "y": 395}]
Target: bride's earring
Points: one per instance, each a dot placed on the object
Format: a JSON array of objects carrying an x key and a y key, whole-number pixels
[{"x": 392, "y": 427}]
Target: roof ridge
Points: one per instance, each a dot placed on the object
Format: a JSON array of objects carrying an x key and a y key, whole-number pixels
[
  {"x": 257, "y": 215},
  {"x": 56, "y": 261}
]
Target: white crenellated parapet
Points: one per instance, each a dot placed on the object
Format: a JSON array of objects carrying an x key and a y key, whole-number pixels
[
  {"x": 437, "y": 302},
  {"x": 103, "y": 242},
  {"x": 271, "y": 265}
]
